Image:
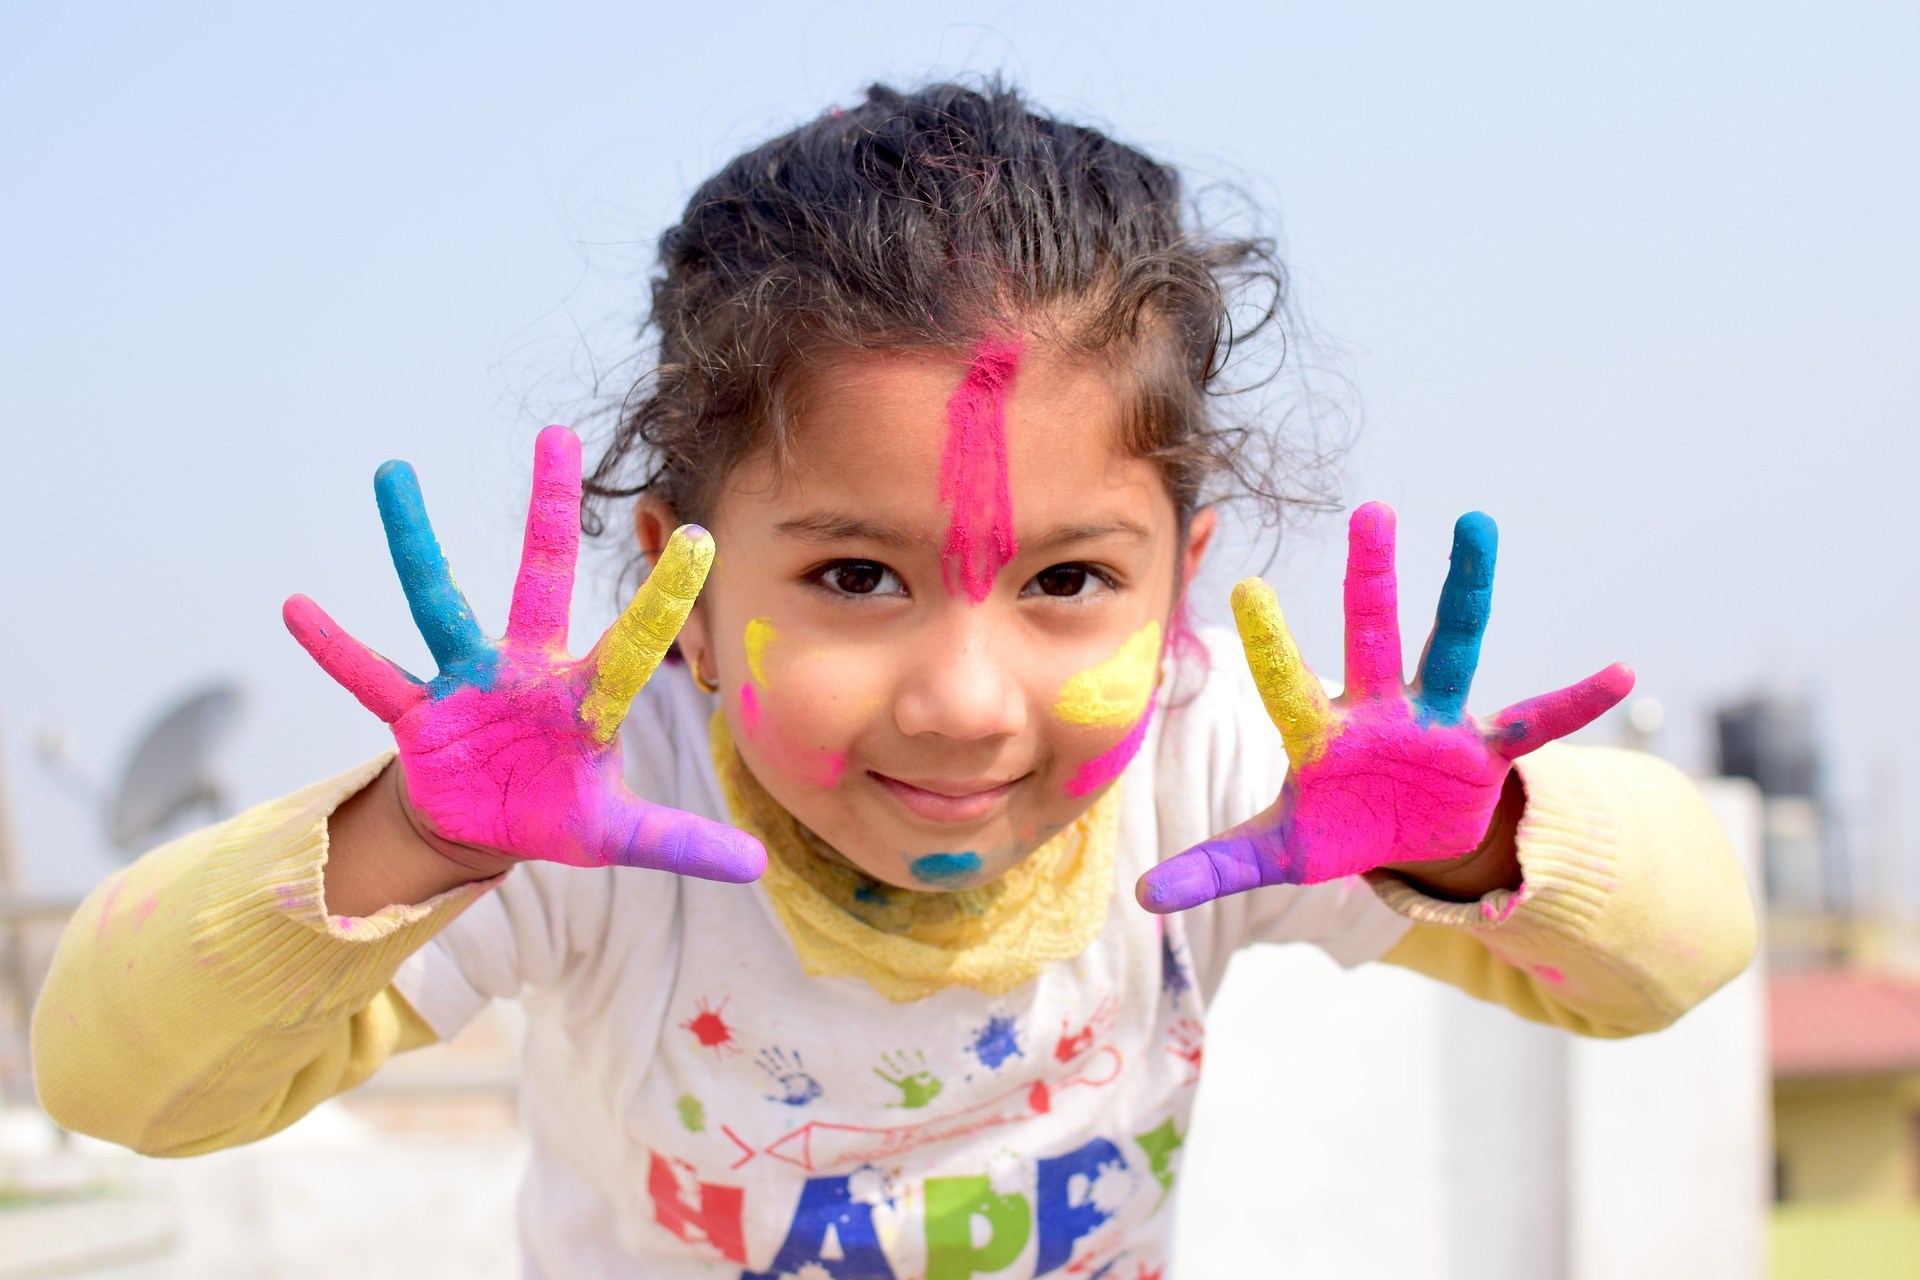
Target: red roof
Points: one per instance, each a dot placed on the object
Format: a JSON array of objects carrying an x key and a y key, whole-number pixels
[{"x": 1839, "y": 1023}]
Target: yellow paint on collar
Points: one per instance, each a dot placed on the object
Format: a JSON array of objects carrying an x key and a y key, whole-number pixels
[
  {"x": 1116, "y": 691},
  {"x": 760, "y": 634}
]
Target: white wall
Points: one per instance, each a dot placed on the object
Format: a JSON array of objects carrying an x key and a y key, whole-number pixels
[{"x": 1376, "y": 1124}]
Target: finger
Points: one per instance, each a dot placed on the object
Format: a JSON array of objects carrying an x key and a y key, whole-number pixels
[
  {"x": 626, "y": 656},
  {"x": 1372, "y": 604},
  {"x": 1244, "y": 858},
  {"x": 445, "y": 620},
  {"x": 643, "y": 834},
  {"x": 543, "y": 592},
  {"x": 1446, "y": 672},
  {"x": 380, "y": 686},
  {"x": 1530, "y": 725},
  {"x": 1295, "y": 701}
]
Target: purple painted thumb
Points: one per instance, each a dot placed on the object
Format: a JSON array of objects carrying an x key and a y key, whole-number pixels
[
  {"x": 643, "y": 834},
  {"x": 1212, "y": 869}
]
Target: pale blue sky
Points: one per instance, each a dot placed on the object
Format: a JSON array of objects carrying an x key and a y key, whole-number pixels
[{"x": 1640, "y": 283}]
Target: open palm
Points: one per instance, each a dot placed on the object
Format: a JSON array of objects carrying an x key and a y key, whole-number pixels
[
  {"x": 1387, "y": 772},
  {"x": 513, "y": 749}
]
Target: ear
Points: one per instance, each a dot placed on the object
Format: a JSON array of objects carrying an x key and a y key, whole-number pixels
[
  {"x": 653, "y": 523},
  {"x": 1200, "y": 532}
]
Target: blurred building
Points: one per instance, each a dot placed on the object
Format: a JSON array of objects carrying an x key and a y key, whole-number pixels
[
  {"x": 1843, "y": 1017},
  {"x": 1769, "y": 740}
]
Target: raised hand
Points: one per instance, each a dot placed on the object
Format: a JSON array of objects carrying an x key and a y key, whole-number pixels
[
  {"x": 513, "y": 748},
  {"x": 1386, "y": 773}
]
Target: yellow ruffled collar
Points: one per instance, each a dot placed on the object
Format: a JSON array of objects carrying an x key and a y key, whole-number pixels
[{"x": 907, "y": 945}]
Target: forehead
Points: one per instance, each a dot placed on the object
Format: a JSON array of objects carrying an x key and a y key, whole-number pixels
[{"x": 870, "y": 429}]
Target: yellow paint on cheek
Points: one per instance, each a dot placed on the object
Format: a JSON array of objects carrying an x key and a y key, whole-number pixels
[
  {"x": 1116, "y": 691},
  {"x": 760, "y": 634}
]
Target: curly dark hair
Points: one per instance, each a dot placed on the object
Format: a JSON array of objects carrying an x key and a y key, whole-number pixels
[{"x": 931, "y": 219}]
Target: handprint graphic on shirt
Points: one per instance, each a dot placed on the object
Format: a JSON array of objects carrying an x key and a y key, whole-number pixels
[
  {"x": 793, "y": 1086},
  {"x": 917, "y": 1085}
]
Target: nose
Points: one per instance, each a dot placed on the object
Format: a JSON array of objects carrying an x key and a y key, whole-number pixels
[{"x": 956, "y": 685}]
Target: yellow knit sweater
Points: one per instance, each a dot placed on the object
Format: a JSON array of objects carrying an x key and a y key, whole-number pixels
[{"x": 203, "y": 997}]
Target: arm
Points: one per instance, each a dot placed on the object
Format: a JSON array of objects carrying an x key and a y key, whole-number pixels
[
  {"x": 1633, "y": 908},
  {"x": 230, "y": 981},
  {"x": 205, "y": 996},
  {"x": 1601, "y": 876}
]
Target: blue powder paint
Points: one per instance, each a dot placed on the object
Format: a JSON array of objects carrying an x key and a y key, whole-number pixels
[
  {"x": 445, "y": 619},
  {"x": 481, "y": 669},
  {"x": 871, "y": 893},
  {"x": 994, "y": 1043},
  {"x": 1173, "y": 971},
  {"x": 1465, "y": 603},
  {"x": 945, "y": 868}
]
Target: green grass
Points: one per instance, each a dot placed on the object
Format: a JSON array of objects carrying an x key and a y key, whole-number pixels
[{"x": 1845, "y": 1242}]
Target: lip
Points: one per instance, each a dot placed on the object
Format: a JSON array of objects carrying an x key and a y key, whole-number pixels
[{"x": 947, "y": 800}]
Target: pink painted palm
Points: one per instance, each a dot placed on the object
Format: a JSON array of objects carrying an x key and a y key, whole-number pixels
[
  {"x": 513, "y": 750},
  {"x": 1386, "y": 773}
]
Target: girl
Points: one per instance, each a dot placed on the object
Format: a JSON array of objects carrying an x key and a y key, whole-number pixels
[{"x": 933, "y": 372}]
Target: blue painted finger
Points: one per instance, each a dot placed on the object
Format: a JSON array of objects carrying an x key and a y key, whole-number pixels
[
  {"x": 1465, "y": 603},
  {"x": 445, "y": 619}
]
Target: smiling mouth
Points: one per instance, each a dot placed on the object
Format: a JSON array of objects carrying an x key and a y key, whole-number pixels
[{"x": 943, "y": 801}]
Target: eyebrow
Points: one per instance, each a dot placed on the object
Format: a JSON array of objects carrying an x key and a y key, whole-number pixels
[
  {"x": 827, "y": 527},
  {"x": 1067, "y": 534},
  {"x": 830, "y": 527}
]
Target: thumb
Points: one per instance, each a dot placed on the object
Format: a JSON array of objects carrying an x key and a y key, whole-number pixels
[
  {"x": 1245, "y": 858},
  {"x": 640, "y": 833}
]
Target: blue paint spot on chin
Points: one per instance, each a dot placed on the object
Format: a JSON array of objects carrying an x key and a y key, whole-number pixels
[{"x": 945, "y": 868}]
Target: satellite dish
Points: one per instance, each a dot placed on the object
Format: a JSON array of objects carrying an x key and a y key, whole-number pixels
[{"x": 169, "y": 772}]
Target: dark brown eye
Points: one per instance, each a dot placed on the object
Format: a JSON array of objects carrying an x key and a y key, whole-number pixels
[
  {"x": 1062, "y": 580},
  {"x": 857, "y": 577}
]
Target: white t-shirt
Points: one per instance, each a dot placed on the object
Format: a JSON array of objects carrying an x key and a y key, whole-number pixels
[{"x": 697, "y": 1105}]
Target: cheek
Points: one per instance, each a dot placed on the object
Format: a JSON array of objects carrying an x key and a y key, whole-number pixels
[
  {"x": 799, "y": 707},
  {"x": 1107, "y": 709}
]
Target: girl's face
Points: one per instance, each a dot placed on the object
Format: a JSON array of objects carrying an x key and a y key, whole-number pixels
[{"x": 931, "y": 738}]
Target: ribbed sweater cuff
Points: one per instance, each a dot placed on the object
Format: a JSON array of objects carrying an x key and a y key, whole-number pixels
[
  {"x": 260, "y": 919},
  {"x": 1567, "y": 843}
]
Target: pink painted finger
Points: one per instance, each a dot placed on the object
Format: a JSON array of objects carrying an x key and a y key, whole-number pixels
[
  {"x": 543, "y": 592},
  {"x": 640, "y": 833},
  {"x": 1530, "y": 725},
  {"x": 380, "y": 686},
  {"x": 1372, "y": 605}
]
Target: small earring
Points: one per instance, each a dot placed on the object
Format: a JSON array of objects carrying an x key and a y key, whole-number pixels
[{"x": 707, "y": 685}]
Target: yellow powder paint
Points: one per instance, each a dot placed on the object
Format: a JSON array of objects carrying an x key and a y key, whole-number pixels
[
  {"x": 760, "y": 634},
  {"x": 1116, "y": 691},
  {"x": 627, "y": 655},
  {"x": 1294, "y": 698}
]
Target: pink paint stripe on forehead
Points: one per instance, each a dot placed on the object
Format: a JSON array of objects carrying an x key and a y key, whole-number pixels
[{"x": 973, "y": 473}]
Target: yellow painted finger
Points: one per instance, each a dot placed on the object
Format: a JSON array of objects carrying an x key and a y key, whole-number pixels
[
  {"x": 1295, "y": 702},
  {"x": 1116, "y": 691},
  {"x": 627, "y": 655}
]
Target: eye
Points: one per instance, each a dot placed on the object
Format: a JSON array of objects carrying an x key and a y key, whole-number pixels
[
  {"x": 1068, "y": 581},
  {"x": 859, "y": 578}
]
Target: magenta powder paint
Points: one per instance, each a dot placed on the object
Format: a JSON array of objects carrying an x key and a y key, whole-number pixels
[
  {"x": 749, "y": 709},
  {"x": 973, "y": 473},
  {"x": 1111, "y": 763}
]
